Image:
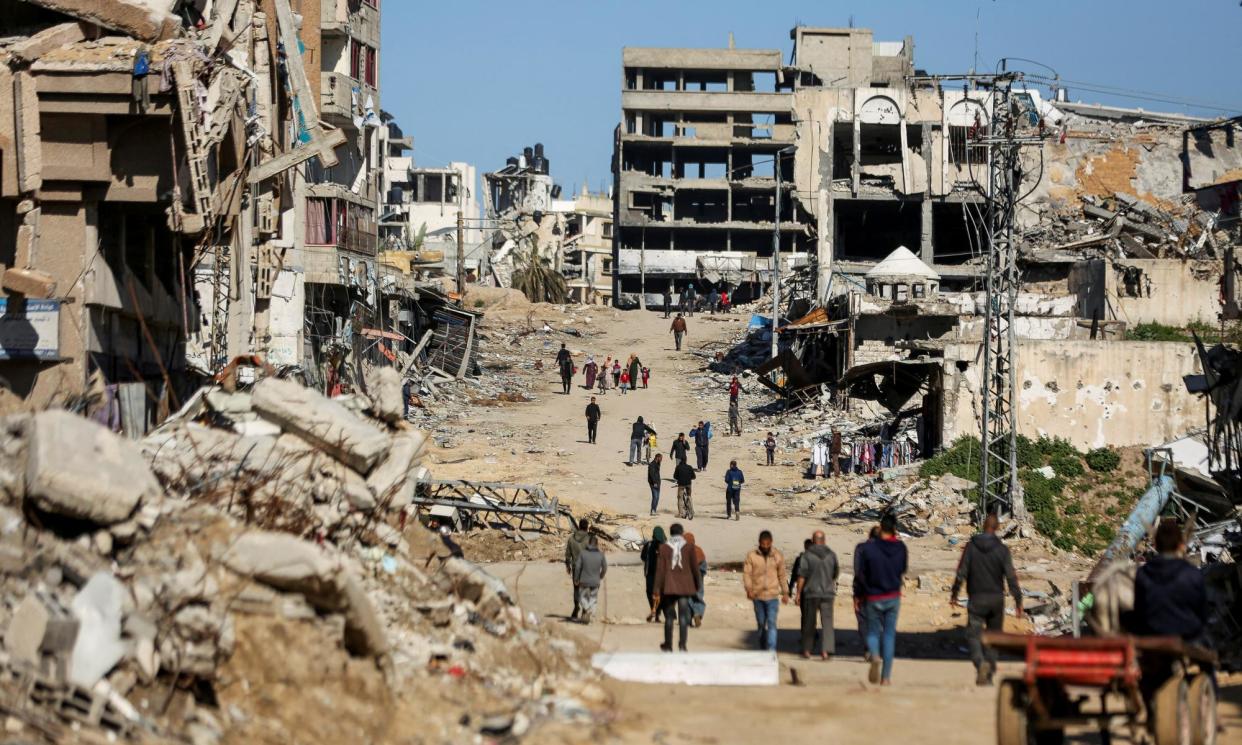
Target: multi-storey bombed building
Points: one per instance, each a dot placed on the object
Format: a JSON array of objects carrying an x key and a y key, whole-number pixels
[
  {"x": 883, "y": 156},
  {"x": 177, "y": 189}
]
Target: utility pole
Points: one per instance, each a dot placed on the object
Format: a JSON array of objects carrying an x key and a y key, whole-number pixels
[
  {"x": 776, "y": 255},
  {"x": 1001, "y": 491},
  {"x": 461, "y": 258}
]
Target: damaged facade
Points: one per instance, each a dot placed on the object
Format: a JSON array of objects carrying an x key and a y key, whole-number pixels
[
  {"x": 177, "y": 190},
  {"x": 528, "y": 220},
  {"x": 1128, "y": 218}
]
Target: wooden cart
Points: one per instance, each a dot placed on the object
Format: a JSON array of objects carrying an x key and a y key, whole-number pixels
[{"x": 1157, "y": 686}]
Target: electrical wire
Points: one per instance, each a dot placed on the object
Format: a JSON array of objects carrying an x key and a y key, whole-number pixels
[{"x": 1131, "y": 93}]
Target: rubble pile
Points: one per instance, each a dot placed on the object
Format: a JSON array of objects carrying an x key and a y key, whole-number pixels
[
  {"x": 249, "y": 561},
  {"x": 1125, "y": 226}
]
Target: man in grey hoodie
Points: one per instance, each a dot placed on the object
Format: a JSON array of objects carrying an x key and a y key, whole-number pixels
[
  {"x": 573, "y": 547},
  {"x": 818, "y": 571},
  {"x": 589, "y": 571},
  {"x": 985, "y": 567}
]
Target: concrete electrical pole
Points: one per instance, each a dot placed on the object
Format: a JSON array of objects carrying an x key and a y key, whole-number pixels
[
  {"x": 776, "y": 253},
  {"x": 461, "y": 258}
]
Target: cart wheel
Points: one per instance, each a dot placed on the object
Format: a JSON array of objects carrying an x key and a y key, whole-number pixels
[
  {"x": 1170, "y": 712},
  {"x": 1203, "y": 720},
  {"x": 1012, "y": 725}
]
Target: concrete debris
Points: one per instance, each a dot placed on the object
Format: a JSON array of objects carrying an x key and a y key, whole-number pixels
[
  {"x": 98, "y": 608},
  {"x": 385, "y": 389},
  {"x": 327, "y": 424},
  {"x": 200, "y": 535},
  {"x": 103, "y": 482}
]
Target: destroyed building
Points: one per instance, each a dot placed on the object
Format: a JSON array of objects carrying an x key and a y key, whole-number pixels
[
  {"x": 418, "y": 227},
  {"x": 177, "y": 190},
  {"x": 1128, "y": 218}
]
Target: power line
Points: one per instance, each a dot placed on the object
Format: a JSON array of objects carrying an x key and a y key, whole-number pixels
[{"x": 1135, "y": 94}]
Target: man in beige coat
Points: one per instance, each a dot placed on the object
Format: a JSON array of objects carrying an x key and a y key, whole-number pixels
[{"x": 763, "y": 576}]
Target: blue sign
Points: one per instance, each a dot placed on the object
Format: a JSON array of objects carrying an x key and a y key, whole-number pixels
[{"x": 29, "y": 329}]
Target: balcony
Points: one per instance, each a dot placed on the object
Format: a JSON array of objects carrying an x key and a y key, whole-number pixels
[
  {"x": 362, "y": 24},
  {"x": 336, "y": 99}
]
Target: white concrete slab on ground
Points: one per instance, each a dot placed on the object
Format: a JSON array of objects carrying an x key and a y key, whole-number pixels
[{"x": 691, "y": 668}]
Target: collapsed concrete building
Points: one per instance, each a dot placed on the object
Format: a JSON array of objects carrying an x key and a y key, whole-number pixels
[
  {"x": 528, "y": 220},
  {"x": 178, "y": 190},
  {"x": 1127, "y": 218}
]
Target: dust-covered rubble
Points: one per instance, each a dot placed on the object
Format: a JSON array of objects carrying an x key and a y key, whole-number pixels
[{"x": 149, "y": 587}]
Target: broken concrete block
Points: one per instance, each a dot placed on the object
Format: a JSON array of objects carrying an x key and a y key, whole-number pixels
[
  {"x": 24, "y": 637},
  {"x": 76, "y": 468},
  {"x": 54, "y": 37},
  {"x": 98, "y": 606},
  {"x": 384, "y": 386},
  {"x": 147, "y": 20},
  {"x": 229, "y": 404},
  {"x": 285, "y": 562},
  {"x": 323, "y": 422},
  {"x": 468, "y": 582},
  {"x": 394, "y": 479},
  {"x": 28, "y": 282}
]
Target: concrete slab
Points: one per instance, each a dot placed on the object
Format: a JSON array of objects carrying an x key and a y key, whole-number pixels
[
  {"x": 323, "y": 422},
  {"x": 691, "y": 668}
]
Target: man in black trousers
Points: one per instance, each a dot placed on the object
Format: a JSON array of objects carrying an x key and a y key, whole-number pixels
[{"x": 593, "y": 415}]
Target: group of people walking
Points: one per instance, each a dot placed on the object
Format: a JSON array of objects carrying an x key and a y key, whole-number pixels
[
  {"x": 715, "y": 301},
  {"x": 611, "y": 374},
  {"x": 675, "y": 566}
]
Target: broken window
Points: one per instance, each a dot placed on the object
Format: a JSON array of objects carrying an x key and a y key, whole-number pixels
[
  {"x": 702, "y": 205},
  {"x": 870, "y": 229},
  {"x": 902, "y": 293},
  {"x": 918, "y": 290},
  {"x": 959, "y": 232},
  {"x": 607, "y": 230},
  {"x": 433, "y": 188},
  {"x": 320, "y": 221},
  {"x": 964, "y": 146}
]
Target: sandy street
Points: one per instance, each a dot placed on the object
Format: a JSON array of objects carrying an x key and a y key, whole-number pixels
[{"x": 933, "y": 698}]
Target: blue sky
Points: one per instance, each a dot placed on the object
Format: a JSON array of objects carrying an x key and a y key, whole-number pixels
[{"x": 476, "y": 80}]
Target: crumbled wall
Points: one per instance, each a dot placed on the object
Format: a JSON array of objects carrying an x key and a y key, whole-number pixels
[{"x": 1092, "y": 393}]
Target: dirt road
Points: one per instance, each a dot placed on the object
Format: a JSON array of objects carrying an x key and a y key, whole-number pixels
[{"x": 933, "y": 699}]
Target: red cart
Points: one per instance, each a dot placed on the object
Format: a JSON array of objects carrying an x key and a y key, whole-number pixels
[{"x": 1156, "y": 686}]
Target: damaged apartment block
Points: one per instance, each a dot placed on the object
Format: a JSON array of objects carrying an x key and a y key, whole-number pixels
[
  {"x": 185, "y": 183},
  {"x": 1128, "y": 218}
]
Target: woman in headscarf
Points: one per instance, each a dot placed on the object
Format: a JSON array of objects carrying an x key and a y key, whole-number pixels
[
  {"x": 589, "y": 369},
  {"x": 697, "y": 605},
  {"x": 635, "y": 367},
  {"x": 649, "y": 555}
]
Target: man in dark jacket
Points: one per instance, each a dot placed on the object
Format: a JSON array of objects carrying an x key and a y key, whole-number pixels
[
  {"x": 733, "y": 478},
  {"x": 565, "y": 362},
  {"x": 653, "y": 480},
  {"x": 677, "y": 580},
  {"x": 573, "y": 547},
  {"x": 593, "y": 415},
  {"x": 1170, "y": 597},
  {"x": 683, "y": 474},
  {"x": 638, "y": 433},
  {"x": 668, "y": 302},
  {"x": 701, "y": 443},
  {"x": 881, "y": 565},
  {"x": 681, "y": 448},
  {"x": 985, "y": 568},
  {"x": 817, "y": 572}
]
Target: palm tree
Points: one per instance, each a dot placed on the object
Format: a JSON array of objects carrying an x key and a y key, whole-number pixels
[{"x": 536, "y": 278}]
